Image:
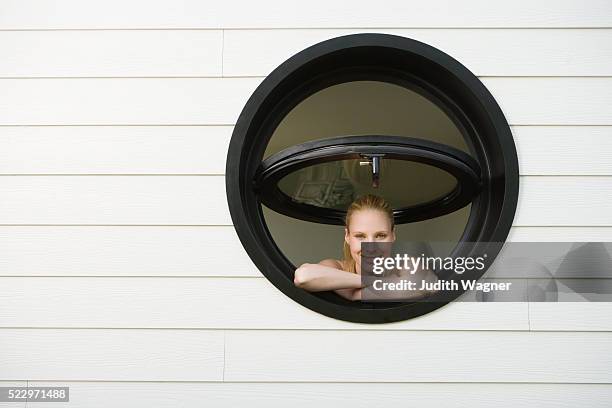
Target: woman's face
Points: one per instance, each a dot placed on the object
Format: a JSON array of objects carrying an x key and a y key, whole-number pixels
[{"x": 367, "y": 226}]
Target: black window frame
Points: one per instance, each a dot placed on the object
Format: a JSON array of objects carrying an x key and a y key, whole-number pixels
[
  {"x": 373, "y": 57},
  {"x": 455, "y": 162}
]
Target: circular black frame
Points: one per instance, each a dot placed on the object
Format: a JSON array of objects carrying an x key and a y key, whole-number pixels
[
  {"x": 459, "y": 164},
  {"x": 373, "y": 57}
]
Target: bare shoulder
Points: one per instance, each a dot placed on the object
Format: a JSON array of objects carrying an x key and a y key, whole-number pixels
[{"x": 334, "y": 263}]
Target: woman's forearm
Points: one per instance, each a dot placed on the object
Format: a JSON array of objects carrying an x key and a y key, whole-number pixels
[
  {"x": 316, "y": 277},
  {"x": 350, "y": 294}
]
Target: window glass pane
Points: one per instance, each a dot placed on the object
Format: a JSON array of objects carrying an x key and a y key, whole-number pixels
[
  {"x": 336, "y": 184},
  {"x": 362, "y": 108}
]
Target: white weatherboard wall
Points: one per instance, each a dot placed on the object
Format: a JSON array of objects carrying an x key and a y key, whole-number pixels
[{"x": 122, "y": 277}]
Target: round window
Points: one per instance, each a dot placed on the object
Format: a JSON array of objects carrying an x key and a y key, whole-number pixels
[{"x": 368, "y": 114}]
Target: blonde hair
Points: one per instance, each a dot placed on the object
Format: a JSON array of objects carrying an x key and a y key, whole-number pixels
[{"x": 365, "y": 202}]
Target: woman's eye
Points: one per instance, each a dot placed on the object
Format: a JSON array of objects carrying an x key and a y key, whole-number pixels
[{"x": 381, "y": 236}]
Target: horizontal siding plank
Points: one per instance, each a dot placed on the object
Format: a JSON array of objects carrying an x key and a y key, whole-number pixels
[
  {"x": 201, "y": 200},
  {"x": 70, "y": 14},
  {"x": 171, "y": 251},
  {"x": 184, "y": 355},
  {"x": 542, "y": 150},
  {"x": 218, "y": 101},
  {"x": 110, "y": 53},
  {"x": 127, "y": 200},
  {"x": 564, "y": 201},
  {"x": 571, "y": 316},
  {"x": 418, "y": 356},
  {"x": 114, "y": 149},
  {"x": 564, "y": 150},
  {"x": 494, "y": 52},
  {"x": 553, "y": 101},
  {"x": 123, "y": 101},
  {"x": 207, "y": 303},
  {"x": 560, "y": 234},
  {"x": 133, "y": 53},
  {"x": 123, "y": 251},
  {"x": 104, "y": 355},
  {"x": 343, "y": 395}
]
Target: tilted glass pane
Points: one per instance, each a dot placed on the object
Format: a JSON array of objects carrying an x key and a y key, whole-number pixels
[{"x": 336, "y": 184}]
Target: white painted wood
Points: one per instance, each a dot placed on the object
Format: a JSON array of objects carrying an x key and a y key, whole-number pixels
[
  {"x": 218, "y": 101},
  {"x": 123, "y": 355},
  {"x": 542, "y": 150},
  {"x": 553, "y": 101},
  {"x": 198, "y": 321},
  {"x": 560, "y": 234},
  {"x": 114, "y": 149},
  {"x": 201, "y": 200},
  {"x": 583, "y": 316},
  {"x": 197, "y": 355},
  {"x": 110, "y": 53},
  {"x": 564, "y": 201},
  {"x": 70, "y": 14},
  {"x": 171, "y": 251},
  {"x": 418, "y": 356},
  {"x": 158, "y": 53},
  {"x": 233, "y": 303},
  {"x": 494, "y": 52},
  {"x": 564, "y": 150},
  {"x": 342, "y": 395},
  {"x": 123, "y": 251},
  {"x": 138, "y": 200},
  {"x": 124, "y": 101}
]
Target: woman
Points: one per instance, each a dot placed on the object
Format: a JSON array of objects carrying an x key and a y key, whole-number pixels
[{"x": 368, "y": 219}]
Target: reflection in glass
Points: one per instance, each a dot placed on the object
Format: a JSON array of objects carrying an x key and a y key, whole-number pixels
[{"x": 336, "y": 184}]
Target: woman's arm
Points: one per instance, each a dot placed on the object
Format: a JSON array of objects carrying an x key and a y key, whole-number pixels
[
  {"x": 326, "y": 275},
  {"x": 349, "y": 294}
]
